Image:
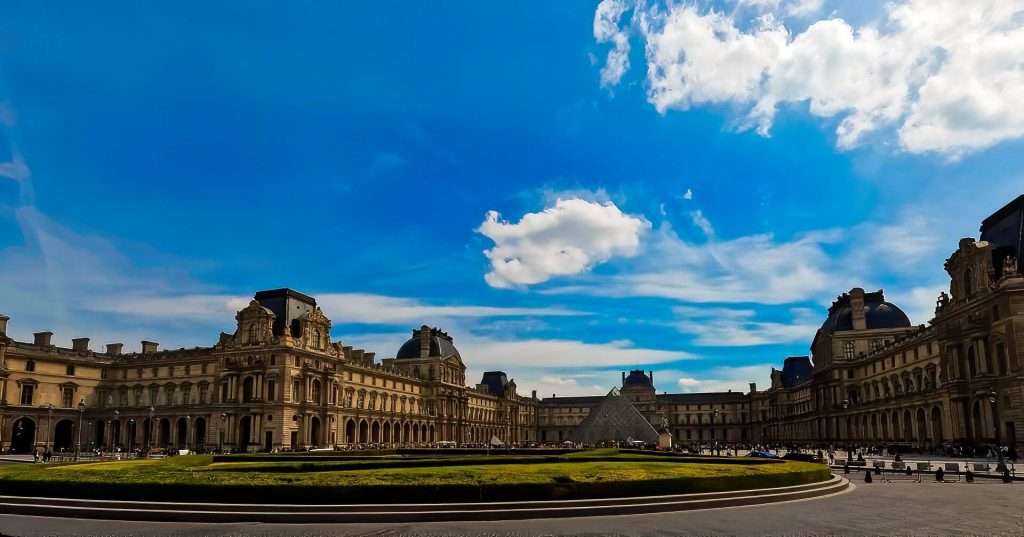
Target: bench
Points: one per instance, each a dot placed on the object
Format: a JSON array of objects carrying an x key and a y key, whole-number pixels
[{"x": 952, "y": 468}]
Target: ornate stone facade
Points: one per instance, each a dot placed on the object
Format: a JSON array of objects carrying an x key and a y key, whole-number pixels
[{"x": 277, "y": 382}]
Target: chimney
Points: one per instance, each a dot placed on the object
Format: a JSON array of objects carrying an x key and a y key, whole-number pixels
[
  {"x": 3, "y": 325},
  {"x": 80, "y": 344},
  {"x": 424, "y": 341},
  {"x": 149, "y": 347},
  {"x": 114, "y": 349},
  {"x": 347, "y": 352},
  {"x": 534, "y": 394},
  {"x": 753, "y": 387},
  {"x": 623, "y": 377},
  {"x": 369, "y": 356},
  {"x": 857, "y": 308},
  {"x": 652, "y": 376},
  {"x": 42, "y": 339}
]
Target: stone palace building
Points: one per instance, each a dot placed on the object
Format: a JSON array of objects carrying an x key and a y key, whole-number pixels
[{"x": 280, "y": 382}]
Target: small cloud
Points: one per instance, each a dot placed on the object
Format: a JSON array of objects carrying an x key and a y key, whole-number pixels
[
  {"x": 568, "y": 238},
  {"x": 703, "y": 223},
  {"x": 688, "y": 195}
]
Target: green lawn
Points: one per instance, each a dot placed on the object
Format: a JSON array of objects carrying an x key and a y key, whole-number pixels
[{"x": 476, "y": 477}]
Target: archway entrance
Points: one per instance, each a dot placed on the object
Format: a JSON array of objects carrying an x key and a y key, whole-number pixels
[
  {"x": 937, "y": 426},
  {"x": 23, "y": 436},
  {"x": 350, "y": 432},
  {"x": 63, "y": 435},
  {"x": 165, "y": 433},
  {"x": 375, "y": 435},
  {"x": 101, "y": 433},
  {"x": 314, "y": 431},
  {"x": 182, "y": 433},
  {"x": 922, "y": 429},
  {"x": 244, "y": 432},
  {"x": 199, "y": 434},
  {"x": 363, "y": 432}
]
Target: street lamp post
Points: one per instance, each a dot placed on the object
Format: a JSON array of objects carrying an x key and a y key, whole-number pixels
[
  {"x": 115, "y": 438},
  {"x": 188, "y": 433},
  {"x": 81, "y": 414},
  {"x": 993, "y": 398},
  {"x": 714, "y": 416},
  {"x": 49, "y": 423},
  {"x": 220, "y": 432},
  {"x": 149, "y": 432},
  {"x": 131, "y": 435},
  {"x": 839, "y": 428}
]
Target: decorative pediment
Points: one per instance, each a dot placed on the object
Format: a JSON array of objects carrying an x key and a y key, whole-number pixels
[
  {"x": 316, "y": 316},
  {"x": 255, "y": 325}
]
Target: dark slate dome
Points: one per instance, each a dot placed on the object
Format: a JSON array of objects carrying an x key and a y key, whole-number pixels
[
  {"x": 495, "y": 382},
  {"x": 637, "y": 378},
  {"x": 877, "y": 314},
  {"x": 440, "y": 344},
  {"x": 796, "y": 369}
]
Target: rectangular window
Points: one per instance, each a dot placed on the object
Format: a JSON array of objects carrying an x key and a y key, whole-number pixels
[
  {"x": 271, "y": 388},
  {"x": 156, "y": 372},
  {"x": 68, "y": 396},
  {"x": 70, "y": 370},
  {"x": 26, "y": 394}
]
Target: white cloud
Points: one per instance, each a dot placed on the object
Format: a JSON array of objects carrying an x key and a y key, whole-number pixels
[
  {"x": 703, "y": 223},
  {"x": 606, "y": 30},
  {"x": 562, "y": 366},
  {"x": 688, "y": 195},
  {"x": 763, "y": 269},
  {"x": 722, "y": 379},
  {"x": 755, "y": 268},
  {"x": 946, "y": 74},
  {"x": 356, "y": 308},
  {"x": 725, "y": 327},
  {"x": 918, "y": 302},
  {"x": 569, "y": 238}
]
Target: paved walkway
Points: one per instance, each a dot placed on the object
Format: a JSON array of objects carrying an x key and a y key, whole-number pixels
[{"x": 871, "y": 509}]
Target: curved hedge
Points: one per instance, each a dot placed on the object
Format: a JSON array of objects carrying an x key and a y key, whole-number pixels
[
  {"x": 200, "y": 486},
  {"x": 310, "y": 494}
]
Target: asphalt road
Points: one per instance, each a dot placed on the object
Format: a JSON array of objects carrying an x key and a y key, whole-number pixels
[{"x": 870, "y": 509}]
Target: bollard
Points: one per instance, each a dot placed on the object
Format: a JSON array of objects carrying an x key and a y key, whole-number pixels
[{"x": 867, "y": 476}]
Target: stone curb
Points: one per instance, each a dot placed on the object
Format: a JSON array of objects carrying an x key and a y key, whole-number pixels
[{"x": 303, "y": 514}]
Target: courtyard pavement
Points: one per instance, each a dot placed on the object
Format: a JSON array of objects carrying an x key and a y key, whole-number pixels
[{"x": 870, "y": 509}]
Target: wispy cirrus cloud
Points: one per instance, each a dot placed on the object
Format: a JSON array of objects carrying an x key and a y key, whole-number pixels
[{"x": 728, "y": 327}]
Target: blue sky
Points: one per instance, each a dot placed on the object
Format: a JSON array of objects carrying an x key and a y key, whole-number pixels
[{"x": 571, "y": 189}]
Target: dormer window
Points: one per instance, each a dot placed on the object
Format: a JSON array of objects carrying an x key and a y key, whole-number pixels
[
  {"x": 316, "y": 339},
  {"x": 253, "y": 334}
]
